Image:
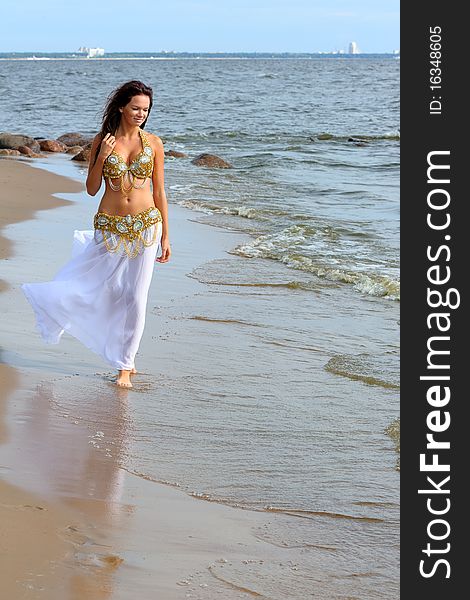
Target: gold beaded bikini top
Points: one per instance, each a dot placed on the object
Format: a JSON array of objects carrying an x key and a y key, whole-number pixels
[{"x": 115, "y": 167}]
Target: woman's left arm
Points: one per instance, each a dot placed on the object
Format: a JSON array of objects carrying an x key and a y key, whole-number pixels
[{"x": 159, "y": 196}]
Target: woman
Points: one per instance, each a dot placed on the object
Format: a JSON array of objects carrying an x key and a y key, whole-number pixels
[{"x": 100, "y": 295}]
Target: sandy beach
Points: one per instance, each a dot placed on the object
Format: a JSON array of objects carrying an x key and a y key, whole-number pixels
[
  {"x": 33, "y": 530},
  {"x": 256, "y": 453},
  {"x": 75, "y": 524}
]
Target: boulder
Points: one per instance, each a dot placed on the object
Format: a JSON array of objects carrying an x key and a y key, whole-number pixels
[
  {"x": 83, "y": 156},
  {"x": 74, "y": 149},
  {"x": 75, "y": 139},
  {"x": 52, "y": 146},
  {"x": 25, "y": 150},
  {"x": 13, "y": 140},
  {"x": 211, "y": 160},
  {"x": 175, "y": 154},
  {"x": 9, "y": 152},
  {"x": 357, "y": 141}
]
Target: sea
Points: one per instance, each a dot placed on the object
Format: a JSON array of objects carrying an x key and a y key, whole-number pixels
[{"x": 286, "y": 397}]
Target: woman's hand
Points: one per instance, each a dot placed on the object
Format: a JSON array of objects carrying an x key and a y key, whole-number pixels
[
  {"x": 107, "y": 146},
  {"x": 166, "y": 251}
]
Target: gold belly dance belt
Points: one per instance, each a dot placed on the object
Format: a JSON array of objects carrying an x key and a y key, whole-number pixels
[{"x": 129, "y": 234}]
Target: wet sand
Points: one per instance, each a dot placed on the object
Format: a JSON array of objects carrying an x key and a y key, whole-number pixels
[
  {"x": 33, "y": 547},
  {"x": 75, "y": 523}
]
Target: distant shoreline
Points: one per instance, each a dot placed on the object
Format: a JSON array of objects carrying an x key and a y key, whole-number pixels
[{"x": 187, "y": 55}]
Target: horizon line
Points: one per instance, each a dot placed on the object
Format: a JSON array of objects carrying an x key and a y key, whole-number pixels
[{"x": 165, "y": 52}]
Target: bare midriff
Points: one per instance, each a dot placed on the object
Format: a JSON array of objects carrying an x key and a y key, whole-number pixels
[
  {"x": 128, "y": 186},
  {"x": 135, "y": 201}
]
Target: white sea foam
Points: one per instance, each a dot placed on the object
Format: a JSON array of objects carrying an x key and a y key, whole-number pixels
[{"x": 332, "y": 261}]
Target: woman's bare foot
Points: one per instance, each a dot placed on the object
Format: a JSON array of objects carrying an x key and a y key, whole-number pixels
[
  {"x": 133, "y": 371},
  {"x": 123, "y": 379}
]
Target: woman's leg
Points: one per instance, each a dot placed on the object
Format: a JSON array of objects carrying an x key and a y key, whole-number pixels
[
  {"x": 138, "y": 279},
  {"x": 123, "y": 379}
]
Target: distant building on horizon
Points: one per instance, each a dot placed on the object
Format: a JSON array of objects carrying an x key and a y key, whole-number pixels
[
  {"x": 91, "y": 52},
  {"x": 353, "y": 49}
]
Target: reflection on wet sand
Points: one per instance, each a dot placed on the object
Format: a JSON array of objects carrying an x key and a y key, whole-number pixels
[
  {"x": 82, "y": 461},
  {"x": 70, "y": 452}
]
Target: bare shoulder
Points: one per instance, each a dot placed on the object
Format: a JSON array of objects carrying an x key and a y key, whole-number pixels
[{"x": 155, "y": 142}]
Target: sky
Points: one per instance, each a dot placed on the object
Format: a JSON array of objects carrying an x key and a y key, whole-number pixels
[{"x": 199, "y": 26}]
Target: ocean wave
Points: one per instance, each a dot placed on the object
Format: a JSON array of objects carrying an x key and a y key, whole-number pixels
[
  {"x": 286, "y": 247},
  {"x": 204, "y": 207},
  {"x": 359, "y": 137},
  {"x": 283, "y": 137},
  {"x": 329, "y": 163},
  {"x": 247, "y": 212},
  {"x": 193, "y": 135},
  {"x": 382, "y": 370},
  {"x": 295, "y": 512},
  {"x": 219, "y": 279}
]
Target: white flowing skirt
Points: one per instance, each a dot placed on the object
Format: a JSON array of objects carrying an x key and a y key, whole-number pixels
[{"x": 99, "y": 297}]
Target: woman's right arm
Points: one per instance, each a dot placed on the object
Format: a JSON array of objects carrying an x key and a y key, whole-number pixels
[{"x": 95, "y": 171}]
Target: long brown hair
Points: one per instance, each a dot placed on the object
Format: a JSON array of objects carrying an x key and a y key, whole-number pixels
[{"x": 119, "y": 98}]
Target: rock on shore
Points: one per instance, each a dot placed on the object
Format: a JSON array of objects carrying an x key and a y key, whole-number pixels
[
  {"x": 9, "y": 152},
  {"x": 26, "y": 150},
  {"x": 79, "y": 145},
  {"x": 175, "y": 154},
  {"x": 211, "y": 160},
  {"x": 83, "y": 155},
  {"x": 74, "y": 149},
  {"x": 12, "y": 141},
  {"x": 75, "y": 139},
  {"x": 52, "y": 146}
]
